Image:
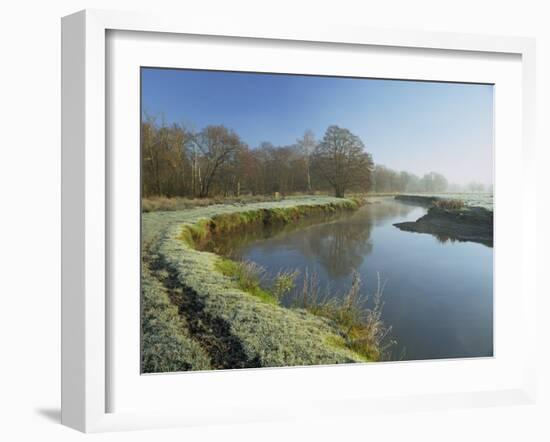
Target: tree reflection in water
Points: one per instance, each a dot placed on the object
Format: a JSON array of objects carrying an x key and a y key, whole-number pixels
[
  {"x": 438, "y": 296},
  {"x": 339, "y": 243},
  {"x": 339, "y": 249}
]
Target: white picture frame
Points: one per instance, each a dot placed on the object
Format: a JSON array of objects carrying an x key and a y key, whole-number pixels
[{"x": 86, "y": 208}]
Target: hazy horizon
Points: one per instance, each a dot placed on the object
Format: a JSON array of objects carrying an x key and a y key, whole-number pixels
[{"x": 406, "y": 125}]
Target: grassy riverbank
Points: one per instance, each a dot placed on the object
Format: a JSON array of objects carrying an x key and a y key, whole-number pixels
[
  {"x": 196, "y": 314},
  {"x": 484, "y": 200}
]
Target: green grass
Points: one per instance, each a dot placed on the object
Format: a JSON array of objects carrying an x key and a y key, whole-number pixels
[
  {"x": 248, "y": 276},
  {"x": 196, "y": 233},
  {"x": 219, "y": 220}
]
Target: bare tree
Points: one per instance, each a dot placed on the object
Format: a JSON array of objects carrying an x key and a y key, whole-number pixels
[
  {"x": 179, "y": 161},
  {"x": 216, "y": 145},
  {"x": 155, "y": 153},
  {"x": 340, "y": 158},
  {"x": 307, "y": 146}
]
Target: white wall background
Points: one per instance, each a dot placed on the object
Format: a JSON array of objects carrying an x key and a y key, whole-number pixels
[{"x": 30, "y": 215}]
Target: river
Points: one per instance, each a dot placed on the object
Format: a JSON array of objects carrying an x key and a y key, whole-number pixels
[{"x": 438, "y": 295}]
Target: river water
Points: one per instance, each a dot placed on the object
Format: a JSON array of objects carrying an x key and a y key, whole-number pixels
[{"x": 438, "y": 296}]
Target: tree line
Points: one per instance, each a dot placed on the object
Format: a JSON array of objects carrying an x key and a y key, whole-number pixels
[
  {"x": 389, "y": 180},
  {"x": 177, "y": 161}
]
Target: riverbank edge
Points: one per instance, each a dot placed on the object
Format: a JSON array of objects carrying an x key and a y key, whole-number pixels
[
  {"x": 247, "y": 331},
  {"x": 469, "y": 223},
  {"x": 418, "y": 200}
]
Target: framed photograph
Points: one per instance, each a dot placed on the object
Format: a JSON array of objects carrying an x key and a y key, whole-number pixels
[{"x": 263, "y": 222}]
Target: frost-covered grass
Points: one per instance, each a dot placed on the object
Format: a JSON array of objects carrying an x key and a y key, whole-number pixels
[
  {"x": 238, "y": 325},
  {"x": 166, "y": 344},
  {"x": 154, "y": 223},
  {"x": 162, "y": 203},
  {"x": 473, "y": 199}
]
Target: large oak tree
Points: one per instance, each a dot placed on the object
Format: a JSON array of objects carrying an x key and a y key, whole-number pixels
[{"x": 340, "y": 158}]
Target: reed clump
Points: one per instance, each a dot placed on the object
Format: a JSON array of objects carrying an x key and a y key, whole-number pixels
[
  {"x": 362, "y": 327},
  {"x": 284, "y": 283},
  {"x": 450, "y": 204},
  {"x": 248, "y": 276}
]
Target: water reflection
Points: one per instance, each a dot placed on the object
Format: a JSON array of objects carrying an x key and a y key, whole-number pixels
[
  {"x": 338, "y": 250},
  {"x": 232, "y": 245},
  {"x": 338, "y": 242},
  {"x": 438, "y": 296}
]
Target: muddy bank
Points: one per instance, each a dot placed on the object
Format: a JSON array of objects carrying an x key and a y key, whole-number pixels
[{"x": 467, "y": 224}]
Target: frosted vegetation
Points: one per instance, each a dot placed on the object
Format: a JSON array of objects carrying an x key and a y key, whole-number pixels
[
  {"x": 470, "y": 199},
  {"x": 200, "y": 312},
  {"x": 165, "y": 336}
]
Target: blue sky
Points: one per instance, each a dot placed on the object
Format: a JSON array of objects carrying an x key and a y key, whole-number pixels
[{"x": 406, "y": 125}]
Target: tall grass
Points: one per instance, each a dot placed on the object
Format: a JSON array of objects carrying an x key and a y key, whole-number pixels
[
  {"x": 362, "y": 328},
  {"x": 252, "y": 278},
  {"x": 248, "y": 276},
  {"x": 450, "y": 204},
  {"x": 310, "y": 290},
  {"x": 284, "y": 283}
]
